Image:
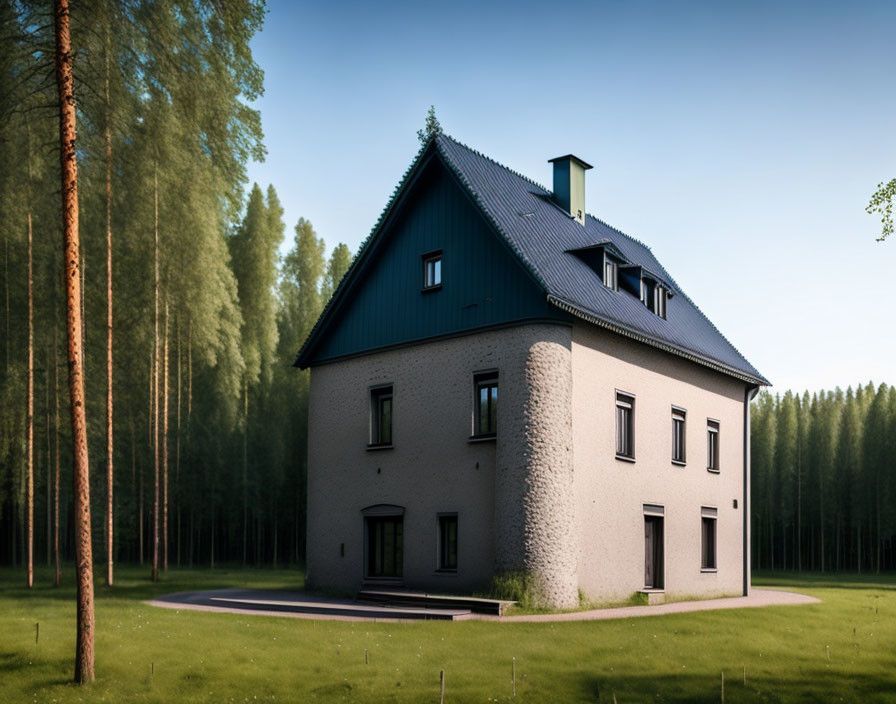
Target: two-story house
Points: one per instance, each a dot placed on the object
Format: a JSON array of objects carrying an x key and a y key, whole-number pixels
[{"x": 504, "y": 383}]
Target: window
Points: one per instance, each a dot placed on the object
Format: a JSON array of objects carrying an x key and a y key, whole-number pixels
[
  {"x": 381, "y": 416},
  {"x": 448, "y": 542},
  {"x": 432, "y": 270},
  {"x": 659, "y": 301},
  {"x": 712, "y": 445},
  {"x": 708, "y": 542},
  {"x": 644, "y": 297},
  {"x": 625, "y": 426},
  {"x": 678, "y": 435},
  {"x": 385, "y": 546},
  {"x": 486, "y": 410},
  {"x": 654, "y": 561},
  {"x": 610, "y": 273}
]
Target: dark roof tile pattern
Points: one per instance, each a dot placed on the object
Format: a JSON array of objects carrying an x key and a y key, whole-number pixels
[{"x": 543, "y": 235}]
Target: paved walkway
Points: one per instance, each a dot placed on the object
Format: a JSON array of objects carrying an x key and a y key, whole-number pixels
[{"x": 308, "y": 606}]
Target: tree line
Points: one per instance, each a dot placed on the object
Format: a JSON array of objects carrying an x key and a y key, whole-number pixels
[
  {"x": 195, "y": 418},
  {"x": 824, "y": 480}
]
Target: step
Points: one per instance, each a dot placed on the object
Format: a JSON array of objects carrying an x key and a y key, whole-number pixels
[
  {"x": 346, "y": 609},
  {"x": 401, "y": 597}
]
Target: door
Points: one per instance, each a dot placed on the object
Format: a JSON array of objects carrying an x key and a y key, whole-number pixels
[
  {"x": 385, "y": 546},
  {"x": 653, "y": 552}
]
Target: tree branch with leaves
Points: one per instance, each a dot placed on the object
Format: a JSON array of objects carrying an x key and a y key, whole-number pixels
[{"x": 882, "y": 202}]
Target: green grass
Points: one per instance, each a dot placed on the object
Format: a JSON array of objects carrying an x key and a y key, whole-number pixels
[{"x": 208, "y": 657}]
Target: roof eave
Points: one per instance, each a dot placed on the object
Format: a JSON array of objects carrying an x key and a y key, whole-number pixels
[{"x": 666, "y": 347}]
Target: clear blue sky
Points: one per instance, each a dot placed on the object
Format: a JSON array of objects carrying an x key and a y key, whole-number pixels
[{"x": 741, "y": 141}]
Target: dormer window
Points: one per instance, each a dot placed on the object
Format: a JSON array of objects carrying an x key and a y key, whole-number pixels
[
  {"x": 659, "y": 301},
  {"x": 611, "y": 271},
  {"x": 432, "y": 270}
]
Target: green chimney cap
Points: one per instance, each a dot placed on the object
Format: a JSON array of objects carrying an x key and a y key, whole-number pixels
[{"x": 572, "y": 157}]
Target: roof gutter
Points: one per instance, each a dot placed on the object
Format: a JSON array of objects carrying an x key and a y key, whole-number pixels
[
  {"x": 749, "y": 394},
  {"x": 625, "y": 332}
]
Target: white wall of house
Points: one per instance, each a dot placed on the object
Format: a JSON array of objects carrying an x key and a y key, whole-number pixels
[
  {"x": 432, "y": 468},
  {"x": 548, "y": 496},
  {"x": 611, "y": 493}
]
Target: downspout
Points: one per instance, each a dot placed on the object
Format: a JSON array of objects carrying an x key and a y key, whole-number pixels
[{"x": 749, "y": 395}]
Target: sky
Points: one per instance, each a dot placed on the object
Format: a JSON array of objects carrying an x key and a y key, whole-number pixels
[{"x": 740, "y": 141}]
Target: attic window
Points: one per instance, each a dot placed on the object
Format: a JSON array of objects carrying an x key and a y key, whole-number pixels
[
  {"x": 611, "y": 273},
  {"x": 432, "y": 270},
  {"x": 659, "y": 301}
]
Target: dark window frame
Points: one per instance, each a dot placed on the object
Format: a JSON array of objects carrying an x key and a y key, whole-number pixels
[
  {"x": 611, "y": 280},
  {"x": 380, "y": 563},
  {"x": 660, "y": 299},
  {"x": 382, "y": 434},
  {"x": 709, "y": 539},
  {"x": 713, "y": 442},
  {"x": 489, "y": 381},
  {"x": 625, "y": 426},
  {"x": 448, "y": 544},
  {"x": 434, "y": 258},
  {"x": 679, "y": 435}
]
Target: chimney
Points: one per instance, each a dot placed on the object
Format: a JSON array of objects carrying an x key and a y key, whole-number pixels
[{"x": 569, "y": 185}]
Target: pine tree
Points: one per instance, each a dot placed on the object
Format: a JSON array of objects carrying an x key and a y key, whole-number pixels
[{"x": 431, "y": 128}]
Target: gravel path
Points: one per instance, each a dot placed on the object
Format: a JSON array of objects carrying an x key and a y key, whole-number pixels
[{"x": 301, "y": 605}]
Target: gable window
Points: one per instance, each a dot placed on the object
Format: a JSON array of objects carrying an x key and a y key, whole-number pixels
[
  {"x": 644, "y": 298},
  {"x": 486, "y": 405},
  {"x": 611, "y": 271},
  {"x": 659, "y": 301},
  {"x": 712, "y": 445},
  {"x": 678, "y": 435},
  {"x": 381, "y": 416},
  {"x": 432, "y": 270},
  {"x": 708, "y": 538},
  {"x": 625, "y": 426},
  {"x": 448, "y": 542}
]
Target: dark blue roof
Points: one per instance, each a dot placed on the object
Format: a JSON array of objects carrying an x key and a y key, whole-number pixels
[{"x": 542, "y": 235}]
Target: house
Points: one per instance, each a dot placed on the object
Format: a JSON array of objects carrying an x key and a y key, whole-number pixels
[{"x": 615, "y": 458}]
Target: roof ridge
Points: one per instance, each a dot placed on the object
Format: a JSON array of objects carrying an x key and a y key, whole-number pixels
[{"x": 525, "y": 178}]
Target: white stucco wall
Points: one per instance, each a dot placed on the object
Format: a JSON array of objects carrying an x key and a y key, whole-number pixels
[
  {"x": 433, "y": 468},
  {"x": 610, "y": 493}
]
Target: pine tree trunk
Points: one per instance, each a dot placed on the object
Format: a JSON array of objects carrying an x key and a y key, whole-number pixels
[
  {"x": 109, "y": 435},
  {"x": 165, "y": 447},
  {"x": 30, "y": 413},
  {"x": 84, "y": 654},
  {"x": 177, "y": 448},
  {"x": 49, "y": 460},
  {"x": 6, "y": 285},
  {"x": 56, "y": 477},
  {"x": 155, "y": 386},
  {"x": 245, "y": 466}
]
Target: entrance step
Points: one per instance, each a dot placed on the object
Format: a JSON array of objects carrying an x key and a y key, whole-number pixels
[
  {"x": 343, "y": 608},
  {"x": 408, "y": 598},
  {"x": 653, "y": 596}
]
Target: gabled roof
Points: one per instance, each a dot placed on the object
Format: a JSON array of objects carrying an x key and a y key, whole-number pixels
[{"x": 546, "y": 240}]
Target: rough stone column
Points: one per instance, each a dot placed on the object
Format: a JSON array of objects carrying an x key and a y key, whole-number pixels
[{"x": 534, "y": 502}]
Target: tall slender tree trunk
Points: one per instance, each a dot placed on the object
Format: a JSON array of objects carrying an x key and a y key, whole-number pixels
[
  {"x": 799, "y": 500},
  {"x": 245, "y": 466},
  {"x": 110, "y": 475},
  {"x": 56, "y": 472},
  {"x": 30, "y": 420},
  {"x": 6, "y": 285},
  {"x": 177, "y": 447},
  {"x": 84, "y": 654},
  {"x": 165, "y": 447},
  {"x": 155, "y": 385},
  {"x": 49, "y": 459}
]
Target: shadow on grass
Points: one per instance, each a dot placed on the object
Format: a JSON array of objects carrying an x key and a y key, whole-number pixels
[
  {"x": 132, "y": 582},
  {"x": 814, "y": 686},
  {"x": 885, "y": 581}
]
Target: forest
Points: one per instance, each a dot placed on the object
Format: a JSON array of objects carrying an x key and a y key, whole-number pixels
[
  {"x": 824, "y": 480},
  {"x": 193, "y": 305}
]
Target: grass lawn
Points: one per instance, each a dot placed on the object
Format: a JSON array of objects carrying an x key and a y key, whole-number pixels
[{"x": 208, "y": 657}]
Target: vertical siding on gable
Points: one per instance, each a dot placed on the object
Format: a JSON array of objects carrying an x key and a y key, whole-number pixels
[{"x": 482, "y": 282}]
